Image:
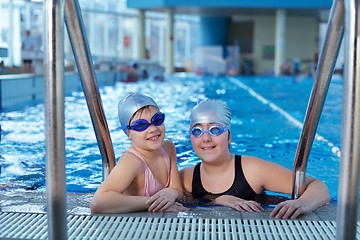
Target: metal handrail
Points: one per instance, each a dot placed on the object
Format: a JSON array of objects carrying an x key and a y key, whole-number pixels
[
  {"x": 54, "y": 119},
  {"x": 54, "y": 111},
  {"x": 324, "y": 73},
  {"x": 348, "y": 194},
  {"x": 81, "y": 50},
  {"x": 54, "y": 106},
  {"x": 343, "y": 17}
]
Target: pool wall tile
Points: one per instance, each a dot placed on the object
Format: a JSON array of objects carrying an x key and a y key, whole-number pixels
[{"x": 25, "y": 88}]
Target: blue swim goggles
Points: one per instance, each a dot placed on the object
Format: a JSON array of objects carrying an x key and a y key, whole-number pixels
[
  {"x": 141, "y": 124},
  {"x": 214, "y": 130}
]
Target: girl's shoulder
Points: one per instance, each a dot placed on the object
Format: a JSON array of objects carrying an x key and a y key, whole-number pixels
[
  {"x": 168, "y": 144},
  {"x": 129, "y": 158},
  {"x": 169, "y": 147},
  {"x": 255, "y": 164},
  {"x": 188, "y": 171},
  {"x": 128, "y": 164},
  {"x": 186, "y": 176},
  {"x": 253, "y": 161}
]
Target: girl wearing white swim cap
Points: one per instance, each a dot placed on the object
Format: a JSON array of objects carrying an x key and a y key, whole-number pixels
[
  {"x": 233, "y": 180},
  {"x": 146, "y": 176}
]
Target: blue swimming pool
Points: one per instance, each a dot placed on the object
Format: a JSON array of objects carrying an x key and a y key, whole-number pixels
[{"x": 266, "y": 112}]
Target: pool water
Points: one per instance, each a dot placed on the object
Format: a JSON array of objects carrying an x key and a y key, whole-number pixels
[{"x": 257, "y": 128}]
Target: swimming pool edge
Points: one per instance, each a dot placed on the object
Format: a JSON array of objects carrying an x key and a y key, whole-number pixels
[{"x": 78, "y": 204}]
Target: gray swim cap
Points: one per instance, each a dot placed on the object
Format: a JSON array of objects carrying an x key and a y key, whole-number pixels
[
  {"x": 210, "y": 111},
  {"x": 130, "y": 104}
]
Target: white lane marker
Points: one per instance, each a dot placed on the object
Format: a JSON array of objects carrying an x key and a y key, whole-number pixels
[{"x": 276, "y": 108}]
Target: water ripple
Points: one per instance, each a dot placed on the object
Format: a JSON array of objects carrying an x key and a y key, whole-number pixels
[{"x": 256, "y": 129}]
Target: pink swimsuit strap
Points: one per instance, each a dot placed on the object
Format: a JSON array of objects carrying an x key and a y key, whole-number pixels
[{"x": 151, "y": 185}]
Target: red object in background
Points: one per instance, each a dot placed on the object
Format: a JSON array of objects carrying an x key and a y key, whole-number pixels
[
  {"x": 127, "y": 41},
  {"x": 171, "y": 37}
]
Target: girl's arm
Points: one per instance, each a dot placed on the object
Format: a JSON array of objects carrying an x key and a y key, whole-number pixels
[
  {"x": 109, "y": 197},
  {"x": 315, "y": 195},
  {"x": 265, "y": 175},
  {"x": 165, "y": 198},
  {"x": 186, "y": 175},
  {"x": 175, "y": 181}
]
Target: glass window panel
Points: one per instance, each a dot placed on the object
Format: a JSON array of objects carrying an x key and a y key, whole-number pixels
[
  {"x": 194, "y": 39},
  {"x": 113, "y": 44},
  {"x": 116, "y": 5},
  {"x": 128, "y": 41},
  {"x": 100, "y": 4},
  {"x": 154, "y": 40},
  {"x": 98, "y": 44},
  {"x": 111, "y": 29},
  {"x": 84, "y": 3},
  {"x": 179, "y": 40}
]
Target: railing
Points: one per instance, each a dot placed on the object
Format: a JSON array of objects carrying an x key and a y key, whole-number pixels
[
  {"x": 342, "y": 17},
  {"x": 324, "y": 72},
  {"x": 348, "y": 194},
  {"x": 54, "y": 110},
  {"x": 54, "y": 105},
  {"x": 54, "y": 119},
  {"x": 80, "y": 46}
]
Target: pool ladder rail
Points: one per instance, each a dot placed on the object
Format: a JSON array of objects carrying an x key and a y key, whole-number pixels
[
  {"x": 339, "y": 22},
  {"x": 344, "y": 18},
  {"x": 54, "y": 105},
  {"x": 323, "y": 76}
]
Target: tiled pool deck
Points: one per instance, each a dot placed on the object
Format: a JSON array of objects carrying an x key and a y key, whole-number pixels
[
  {"x": 23, "y": 216},
  {"x": 27, "y": 201}
]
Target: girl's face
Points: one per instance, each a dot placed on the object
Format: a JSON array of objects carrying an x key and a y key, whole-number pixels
[
  {"x": 210, "y": 148},
  {"x": 152, "y": 137}
]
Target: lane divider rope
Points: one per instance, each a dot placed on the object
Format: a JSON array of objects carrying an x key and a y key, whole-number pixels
[{"x": 297, "y": 123}]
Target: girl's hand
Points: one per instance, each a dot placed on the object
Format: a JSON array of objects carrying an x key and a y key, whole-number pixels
[
  {"x": 290, "y": 209},
  {"x": 162, "y": 200},
  {"x": 238, "y": 204}
]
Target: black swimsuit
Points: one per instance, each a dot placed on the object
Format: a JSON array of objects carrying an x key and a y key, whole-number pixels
[{"x": 240, "y": 187}]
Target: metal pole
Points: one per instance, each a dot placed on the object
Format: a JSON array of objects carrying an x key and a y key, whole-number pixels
[
  {"x": 54, "y": 119},
  {"x": 324, "y": 72},
  {"x": 80, "y": 46},
  {"x": 348, "y": 194}
]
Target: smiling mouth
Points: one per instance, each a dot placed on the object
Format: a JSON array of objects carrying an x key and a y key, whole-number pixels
[
  {"x": 207, "y": 148},
  {"x": 153, "y": 138}
]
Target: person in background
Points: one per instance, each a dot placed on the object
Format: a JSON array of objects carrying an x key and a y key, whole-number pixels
[
  {"x": 27, "y": 45},
  {"x": 132, "y": 74},
  {"x": 233, "y": 180},
  {"x": 147, "y": 54},
  {"x": 146, "y": 175},
  {"x": 285, "y": 68}
]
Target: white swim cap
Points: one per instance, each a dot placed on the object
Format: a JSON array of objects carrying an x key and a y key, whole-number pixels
[
  {"x": 129, "y": 105},
  {"x": 210, "y": 111}
]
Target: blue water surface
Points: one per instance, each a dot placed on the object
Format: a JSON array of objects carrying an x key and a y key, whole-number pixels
[{"x": 257, "y": 128}]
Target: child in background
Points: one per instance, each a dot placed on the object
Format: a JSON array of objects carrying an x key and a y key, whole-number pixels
[{"x": 146, "y": 175}]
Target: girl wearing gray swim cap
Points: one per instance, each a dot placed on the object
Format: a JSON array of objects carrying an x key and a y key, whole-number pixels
[
  {"x": 233, "y": 180},
  {"x": 146, "y": 176}
]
